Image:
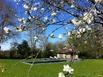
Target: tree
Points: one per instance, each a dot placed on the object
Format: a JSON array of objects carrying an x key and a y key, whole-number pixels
[
  {"x": 50, "y": 50},
  {"x": 88, "y": 41},
  {"x": 13, "y": 50},
  {"x": 41, "y": 14},
  {"x": 53, "y": 12},
  {"x": 23, "y": 49}
]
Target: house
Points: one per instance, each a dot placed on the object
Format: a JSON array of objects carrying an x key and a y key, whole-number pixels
[{"x": 67, "y": 53}]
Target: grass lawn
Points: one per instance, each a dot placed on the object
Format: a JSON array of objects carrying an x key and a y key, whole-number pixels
[{"x": 86, "y": 68}]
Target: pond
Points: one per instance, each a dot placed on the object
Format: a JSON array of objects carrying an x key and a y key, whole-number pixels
[{"x": 46, "y": 61}]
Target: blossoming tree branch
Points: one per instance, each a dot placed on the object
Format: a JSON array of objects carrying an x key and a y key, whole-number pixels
[{"x": 38, "y": 15}]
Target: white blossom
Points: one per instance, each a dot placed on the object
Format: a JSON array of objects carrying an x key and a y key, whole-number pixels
[
  {"x": 34, "y": 8},
  {"x": 35, "y": 37},
  {"x": 88, "y": 28},
  {"x": 68, "y": 69},
  {"x": 85, "y": 42},
  {"x": 24, "y": 21},
  {"x": 29, "y": 17},
  {"x": 72, "y": 6},
  {"x": 85, "y": 13},
  {"x": 42, "y": 10},
  {"x": 43, "y": 28},
  {"x": 26, "y": 6},
  {"x": 20, "y": 19},
  {"x": 26, "y": 12},
  {"x": 53, "y": 13},
  {"x": 30, "y": 11},
  {"x": 60, "y": 74},
  {"x": 20, "y": 28},
  {"x": 7, "y": 30},
  {"x": 78, "y": 36},
  {"x": 68, "y": 33},
  {"x": 78, "y": 32},
  {"x": 98, "y": 1},
  {"x": 82, "y": 30},
  {"x": 37, "y": 3},
  {"x": 52, "y": 35},
  {"x": 76, "y": 22},
  {"x": 88, "y": 17},
  {"x": 46, "y": 18}
]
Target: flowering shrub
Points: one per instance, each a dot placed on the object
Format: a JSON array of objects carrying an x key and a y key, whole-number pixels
[{"x": 67, "y": 70}]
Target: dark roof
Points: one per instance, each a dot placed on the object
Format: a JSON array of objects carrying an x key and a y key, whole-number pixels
[{"x": 66, "y": 50}]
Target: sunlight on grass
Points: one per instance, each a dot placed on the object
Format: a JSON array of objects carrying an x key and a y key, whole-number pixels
[{"x": 86, "y": 68}]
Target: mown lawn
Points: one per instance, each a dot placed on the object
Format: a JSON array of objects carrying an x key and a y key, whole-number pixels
[{"x": 85, "y": 68}]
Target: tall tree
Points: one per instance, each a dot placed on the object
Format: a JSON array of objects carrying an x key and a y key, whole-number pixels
[{"x": 23, "y": 49}]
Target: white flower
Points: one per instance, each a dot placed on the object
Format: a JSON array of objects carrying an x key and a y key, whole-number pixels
[
  {"x": 78, "y": 36},
  {"x": 37, "y": 3},
  {"x": 78, "y": 32},
  {"x": 46, "y": 18},
  {"x": 68, "y": 69},
  {"x": 30, "y": 11},
  {"x": 20, "y": 19},
  {"x": 72, "y": 6},
  {"x": 88, "y": 28},
  {"x": 43, "y": 28},
  {"x": 53, "y": 13},
  {"x": 52, "y": 35},
  {"x": 88, "y": 17},
  {"x": 60, "y": 36},
  {"x": 24, "y": 21},
  {"x": 76, "y": 22},
  {"x": 82, "y": 30},
  {"x": 35, "y": 37},
  {"x": 85, "y": 13},
  {"x": 7, "y": 30},
  {"x": 26, "y": 12},
  {"x": 20, "y": 28},
  {"x": 60, "y": 74},
  {"x": 68, "y": 33},
  {"x": 35, "y": 8},
  {"x": 26, "y": 6},
  {"x": 85, "y": 42},
  {"x": 29, "y": 17},
  {"x": 42, "y": 10},
  {"x": 98, "y": 1}
]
